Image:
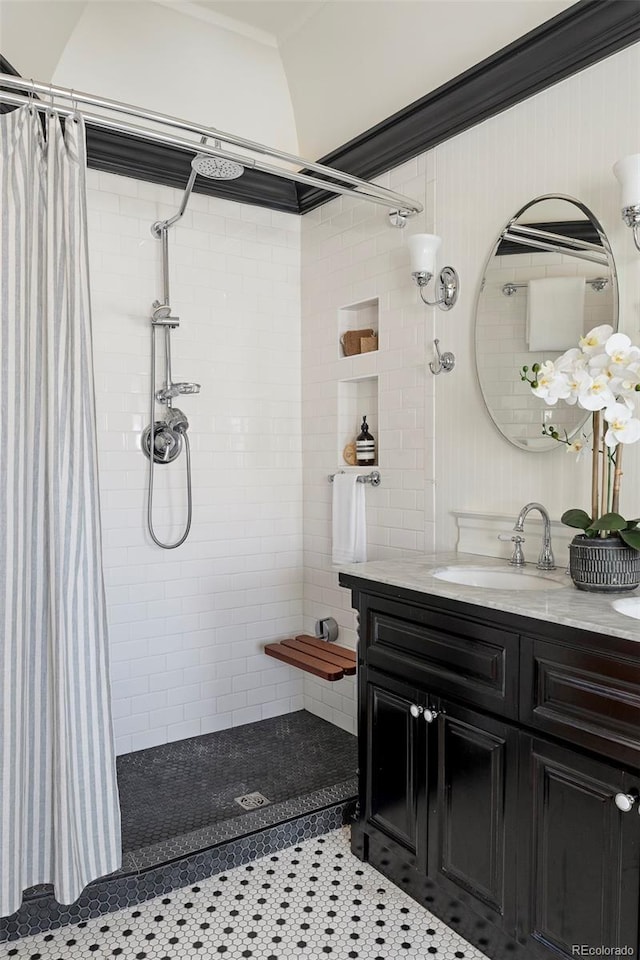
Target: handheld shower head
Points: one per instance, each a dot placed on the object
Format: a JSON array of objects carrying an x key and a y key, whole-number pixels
[
  {"x": 176, "y": 420},
  {"x": 161, "y": 311}
]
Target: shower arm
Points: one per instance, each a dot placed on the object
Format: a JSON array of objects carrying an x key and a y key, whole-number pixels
[
  {"x": 160, "y": 228},
  {"x": 402, "y": 207}
]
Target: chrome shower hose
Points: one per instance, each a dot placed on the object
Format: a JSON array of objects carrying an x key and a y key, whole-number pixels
[{"x": 156, "y": 540}]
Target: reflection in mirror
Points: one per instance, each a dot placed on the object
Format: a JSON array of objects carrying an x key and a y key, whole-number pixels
[{"x": 549, "y": 279}]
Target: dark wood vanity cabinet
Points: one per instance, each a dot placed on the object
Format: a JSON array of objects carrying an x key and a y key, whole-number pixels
[
  {"x": 395, "y": 765},
  {"x": 579, "y": 852},
  {"x": 475, "y": 810},
  {"x": 496, "y": 753}
]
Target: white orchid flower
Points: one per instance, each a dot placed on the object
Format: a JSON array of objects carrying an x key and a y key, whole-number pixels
[
  {"x": 621, "y": 351},
  {"x": 623, "y": 426},
  {"x": 578, "y": 381},
  {"x": 627, "y": 384},
  {"x": 576, "y": 447},
  {"x": 551, "y": 384},
  {"x": 594, "y": 341},
  {"x": 596, "y": 393},
  {"x": 598, "y": 364},
  {"x": 572, "y": 359}
]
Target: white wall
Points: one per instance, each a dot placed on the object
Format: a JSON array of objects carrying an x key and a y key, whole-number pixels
[
  {"x": 187, "y": 627},
  {"x": 161, "y": 59},
  {"x": 548, "y": 144},
  {"x": 350, "y": 255},
  {"x": 439, "y": 451},
  {"x": 33, "y": 33}
]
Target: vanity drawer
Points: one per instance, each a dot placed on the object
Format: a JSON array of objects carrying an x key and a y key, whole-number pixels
[
  {"x": 444, "y": 654},
  {"x": 588, "y": 697}
]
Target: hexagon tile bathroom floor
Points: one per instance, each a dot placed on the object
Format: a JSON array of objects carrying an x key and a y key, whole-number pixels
[
  {"x": 311, "y": 901},
  {"x": 183, "y": 796}
]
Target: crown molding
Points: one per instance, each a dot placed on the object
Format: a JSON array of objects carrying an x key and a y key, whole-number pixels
[
  {"x": 580, "y": 36},
  {"x": 585, "y": 33}
]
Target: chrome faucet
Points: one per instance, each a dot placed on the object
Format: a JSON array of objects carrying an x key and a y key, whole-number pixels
[{"x": 545, "y": 560}]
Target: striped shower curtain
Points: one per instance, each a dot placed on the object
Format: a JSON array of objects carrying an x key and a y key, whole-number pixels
[{"x": 59, "y": 816}]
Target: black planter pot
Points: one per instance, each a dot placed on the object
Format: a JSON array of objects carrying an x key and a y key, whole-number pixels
[{"x": 603, "y": 564}]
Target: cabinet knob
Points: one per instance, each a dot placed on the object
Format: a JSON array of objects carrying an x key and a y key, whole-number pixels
[
  {"x": 624, "y": 801},
  {"x": 430, "y": 714},
  {"x": 415, "y": 710}
]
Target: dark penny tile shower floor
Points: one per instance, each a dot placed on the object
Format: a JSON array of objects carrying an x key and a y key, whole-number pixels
[{"x": 181, "y": 797}]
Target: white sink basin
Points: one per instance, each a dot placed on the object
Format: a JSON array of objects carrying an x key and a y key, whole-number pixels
[
  {"x": 499, "y": 578},
  {"x": 629, "y": 606}
]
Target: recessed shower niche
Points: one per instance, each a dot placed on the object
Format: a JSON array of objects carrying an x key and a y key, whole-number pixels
[
  {"x": 357, "y": 397},
  {"x": 358, "y": 325}
]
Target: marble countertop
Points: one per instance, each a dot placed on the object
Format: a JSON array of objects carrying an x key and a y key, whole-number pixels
[{"x": 575, "y": 608}]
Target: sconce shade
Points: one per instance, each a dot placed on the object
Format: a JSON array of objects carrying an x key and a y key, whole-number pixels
[
  {"x": 422, "y": 250},
  {"x": 627, "y": 172}
]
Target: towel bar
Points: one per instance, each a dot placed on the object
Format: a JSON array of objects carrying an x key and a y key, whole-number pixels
[
  {"x": 598, "y": 283},
  {"x": 373, "y": 478}
]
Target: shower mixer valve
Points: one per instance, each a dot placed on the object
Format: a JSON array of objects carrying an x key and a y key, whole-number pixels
[{"x": 167, "y": 442}]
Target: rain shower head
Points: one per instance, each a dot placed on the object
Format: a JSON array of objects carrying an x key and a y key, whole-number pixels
[{"x": 216, "y": 168}]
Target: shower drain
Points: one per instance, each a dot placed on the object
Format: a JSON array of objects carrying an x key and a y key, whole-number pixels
[{"x": 251, "y": 801}]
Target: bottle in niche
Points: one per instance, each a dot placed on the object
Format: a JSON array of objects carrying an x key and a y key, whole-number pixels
[{"x": 365, "y": 446}]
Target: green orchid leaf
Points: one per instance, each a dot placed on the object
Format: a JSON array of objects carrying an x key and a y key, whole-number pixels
[
  {"x": 609, "y": 521},
  {"x": 576, "y": 518},
  {"x": 632, "y": 523},
  {"x": 631, "y": 538}
]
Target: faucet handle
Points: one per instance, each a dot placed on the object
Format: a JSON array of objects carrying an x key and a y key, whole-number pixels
[{"x": 517, "y": 557}]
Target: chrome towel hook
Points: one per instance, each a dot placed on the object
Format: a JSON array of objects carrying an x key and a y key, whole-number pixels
[{"x": 444, "y": 361}]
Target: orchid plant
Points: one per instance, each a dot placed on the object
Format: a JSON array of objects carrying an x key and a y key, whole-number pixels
[{"x": 602, "y": 375}]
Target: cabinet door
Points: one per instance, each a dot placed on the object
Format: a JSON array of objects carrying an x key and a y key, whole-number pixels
[
  {"x": 582, "y": 852},
  {"x": 393, "y": 738},
  {"x": 474, "y": 853}
]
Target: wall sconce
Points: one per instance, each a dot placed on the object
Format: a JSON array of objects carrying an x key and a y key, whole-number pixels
[
  {"x": 627, "y": 172},
  {"x": 422, "y": 250}
]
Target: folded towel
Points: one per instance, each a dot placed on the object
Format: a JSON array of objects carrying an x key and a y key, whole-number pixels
[
  {"x": 349, "y": 524},
  {"x": 555, "y": 313}
]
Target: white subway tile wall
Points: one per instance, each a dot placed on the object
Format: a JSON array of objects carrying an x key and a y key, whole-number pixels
[
  {"x": 188, "y": 626},
  {"x": 546, "y": 144},
  {"x": 187, "y": 629},
  {"x": 470, "y": 185},
  {"x": 351, "y": 254}
]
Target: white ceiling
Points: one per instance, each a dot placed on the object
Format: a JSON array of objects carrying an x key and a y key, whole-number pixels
[
  {"x": 279, "y": 18},
  {"x": 352, "y": 63},
  {"x": 345, "y": 65}
]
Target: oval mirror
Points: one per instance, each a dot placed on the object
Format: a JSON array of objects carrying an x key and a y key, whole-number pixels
[{"x": 549, "y": 279}]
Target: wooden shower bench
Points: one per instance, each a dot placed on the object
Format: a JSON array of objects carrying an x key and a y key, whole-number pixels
[{"x": 323, "y": 659}]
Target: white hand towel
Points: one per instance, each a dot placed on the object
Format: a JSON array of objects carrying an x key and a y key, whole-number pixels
[
  {"x": 555, "y": 313},
  {"x": 349, "y": 519}
]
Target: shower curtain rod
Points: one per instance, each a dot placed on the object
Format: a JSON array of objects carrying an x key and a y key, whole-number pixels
[{"x": 401, "y": 207}]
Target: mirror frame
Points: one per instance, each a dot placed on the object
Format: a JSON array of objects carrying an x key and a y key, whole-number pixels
[{"x": 604, "y": 240}]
